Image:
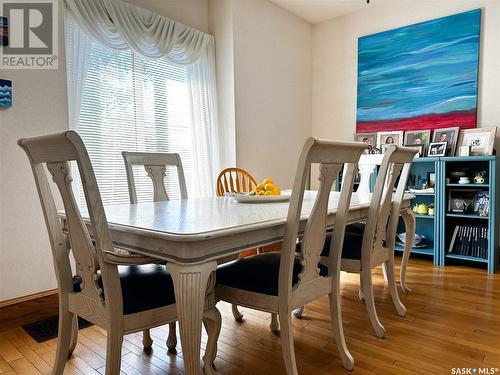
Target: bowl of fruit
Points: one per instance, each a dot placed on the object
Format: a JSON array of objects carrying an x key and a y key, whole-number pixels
[{"x": 265, "y": 192}]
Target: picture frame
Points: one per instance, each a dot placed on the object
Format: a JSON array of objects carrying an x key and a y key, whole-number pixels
[
  {"x": 5, "y": 94},
  {"x": 370, "y": 139},
  {"x": 418, "y": 137},
  {"x": 480, "y": 140},
  {"x": 419, "y": 147},
  {"x": 449, "y": 135},
  {"x": 461, "y": 201},
  {"x": 437, "y": 149},
  {"x": 482, "y": 203},
  {"x": 389, "y": 138},
  {"x": 463, "y": 151},
  {"x": 431, "y": 179}
]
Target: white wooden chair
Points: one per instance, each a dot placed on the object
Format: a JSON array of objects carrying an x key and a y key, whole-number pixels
[
  {"x": 113, "y": 288},
  {"x": 281, "y": 282},
  {"x": 371, "y": 244},
  {"x": 155, "y": 165}
]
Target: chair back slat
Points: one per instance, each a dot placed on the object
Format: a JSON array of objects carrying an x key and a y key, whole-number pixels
[
  {"x": 155, "y": 165},
  {"x": 232, "y": 180},
  {"x": 385, "y": 204},
  {"x": 55, "y": 152},
  {"x": 331, "y": 157}
]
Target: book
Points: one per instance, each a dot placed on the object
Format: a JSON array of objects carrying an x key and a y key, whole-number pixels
[{"x": 451, "y": 248}]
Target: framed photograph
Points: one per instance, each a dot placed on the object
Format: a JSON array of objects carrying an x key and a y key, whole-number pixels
[
  {"x": 480, "y": 140},
  {"x": 418, "y": 137},
  {"x": 431, "y": 179},
  {"x": 449, "y": 135},
  {"x": 463, "y": 151},
  {"x": 437, "y": 149},
  {"x": 482, "y": 203},
  {"x": 370, "y": 139},
  {"x": 419, "y": 147},
  {"x": 389, "y": 138},
  {"x": 461, "y": 201}
]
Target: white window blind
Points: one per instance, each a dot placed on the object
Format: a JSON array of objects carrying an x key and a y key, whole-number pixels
[{"x": 130, "y": 103}]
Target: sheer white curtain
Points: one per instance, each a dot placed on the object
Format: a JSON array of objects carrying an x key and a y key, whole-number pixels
[{"x": 141, "y": 82}]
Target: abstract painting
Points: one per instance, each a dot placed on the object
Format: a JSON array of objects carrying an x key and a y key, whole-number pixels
[
  {"x": 423, "y": 76},
  {"x": 5, "y": 94}
]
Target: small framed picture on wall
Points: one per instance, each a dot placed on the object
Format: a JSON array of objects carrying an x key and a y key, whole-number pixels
[
  {"x": 389, "y": 138},
  {"x": 449, "y": 135}
]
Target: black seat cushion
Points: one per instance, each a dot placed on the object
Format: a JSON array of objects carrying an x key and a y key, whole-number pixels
[
  {"x": 351, "y": 249},
  {"x": 358, "y": 228},
  {"x": 144, "y": 287},
  {"x": 257, "y": 273}
]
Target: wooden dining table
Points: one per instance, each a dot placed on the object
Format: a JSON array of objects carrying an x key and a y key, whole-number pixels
[{"x": 192, "y": 235}]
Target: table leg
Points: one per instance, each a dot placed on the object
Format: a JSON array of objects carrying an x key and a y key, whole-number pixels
[
  {"x": 409, "y": 220},
  {"x": 190, "y": 285}
]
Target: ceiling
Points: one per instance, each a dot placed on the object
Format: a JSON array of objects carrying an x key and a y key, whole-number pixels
[{"x": 316, "y": 11}]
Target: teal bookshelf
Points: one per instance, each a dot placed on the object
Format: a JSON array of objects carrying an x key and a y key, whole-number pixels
[
  {"x": 427, "y": 225},
  {"x": 438, "y": 229},
  {"x": 450, "y": 220}
]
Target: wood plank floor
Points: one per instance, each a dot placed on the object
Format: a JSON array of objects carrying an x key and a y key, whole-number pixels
[{"x": 453, "y": 320}]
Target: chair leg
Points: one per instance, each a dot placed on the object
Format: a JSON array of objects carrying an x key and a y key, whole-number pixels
[
  {"x": 370, "y": 303},
  {"x": 389, "y": 267},
  {"x": 172, "y": 337},
  {"x": 74, "y": 335},
  {"x": 147, "y": 341},
  {"x": 274, "y": 326},
  {"x": 113, "y": 352},
  {"x": 361, "y": 295},
  {"x": 64, "y": 343},
  {"x": 212, "y": 320},
  {"x": 285, "y": 320},
  {"x": 338, "y": 330},
  {"x": 236, "y": 313},
  {"x": 298, "y": 312}
]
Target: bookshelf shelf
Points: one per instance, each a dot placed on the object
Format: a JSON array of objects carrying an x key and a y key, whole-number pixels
[
  {"x": 415, "y": 250},
  {"x": 469, "y": 185},
  {"x": 425, "y": 217},
  {"x": 468, "y": 216},
  {"x": 466, "y": 257},
  {"x": 417, "y": 193}
]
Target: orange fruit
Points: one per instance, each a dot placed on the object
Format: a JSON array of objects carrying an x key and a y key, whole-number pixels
[{"x": 268, "y": 180}]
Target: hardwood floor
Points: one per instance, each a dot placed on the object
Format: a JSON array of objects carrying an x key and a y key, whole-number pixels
[{"x": 453, "y": 321}]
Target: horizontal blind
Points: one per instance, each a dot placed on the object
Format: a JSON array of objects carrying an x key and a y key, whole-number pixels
[{"x": 130, "y": 103}]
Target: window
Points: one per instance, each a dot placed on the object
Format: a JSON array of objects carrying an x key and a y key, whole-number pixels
[{"x": 131, "y": 103}]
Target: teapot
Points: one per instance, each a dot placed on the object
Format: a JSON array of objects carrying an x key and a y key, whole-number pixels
[
  {"x": 422, "y": 209},
  {"x": 479, "y": 178}
]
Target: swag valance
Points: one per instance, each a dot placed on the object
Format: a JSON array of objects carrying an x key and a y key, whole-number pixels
[{"x": 120, "y": 25}]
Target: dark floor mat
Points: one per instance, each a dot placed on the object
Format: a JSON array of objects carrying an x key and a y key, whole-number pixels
[{"x": 46, "y": 329}]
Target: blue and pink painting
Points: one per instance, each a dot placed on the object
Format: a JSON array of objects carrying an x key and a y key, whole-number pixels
[{"x": 423, "y": 76}]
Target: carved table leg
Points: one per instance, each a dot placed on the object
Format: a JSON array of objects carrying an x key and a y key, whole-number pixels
[
  {"x": 409, "y": 220},
  {"x": 190, "y": 285}
]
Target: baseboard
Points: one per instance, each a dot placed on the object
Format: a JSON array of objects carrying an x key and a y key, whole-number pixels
[{"x": 29, "y": 297}]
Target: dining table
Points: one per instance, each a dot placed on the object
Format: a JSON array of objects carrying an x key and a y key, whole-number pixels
[{"x": 193, "y": 235}]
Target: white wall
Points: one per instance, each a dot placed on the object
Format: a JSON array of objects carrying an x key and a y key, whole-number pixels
[
  {"x": 40, "y": 107},
  {"x": 272, "y": 67},
  {"x": 334, "y": 59}
]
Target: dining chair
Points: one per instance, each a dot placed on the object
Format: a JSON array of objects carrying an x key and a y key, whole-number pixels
[
  {"x": 113, "y": 288},
  {"x": 368, "y": 245},
  {"x": 234, "y": 180},
  {"x": 238, "y": 180},
  {"x": 155, "y": 165},
  {"x": 280, "y": 282}
]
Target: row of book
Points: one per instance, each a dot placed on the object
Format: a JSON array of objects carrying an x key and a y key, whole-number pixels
[{"x": 470, "y": 241}]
